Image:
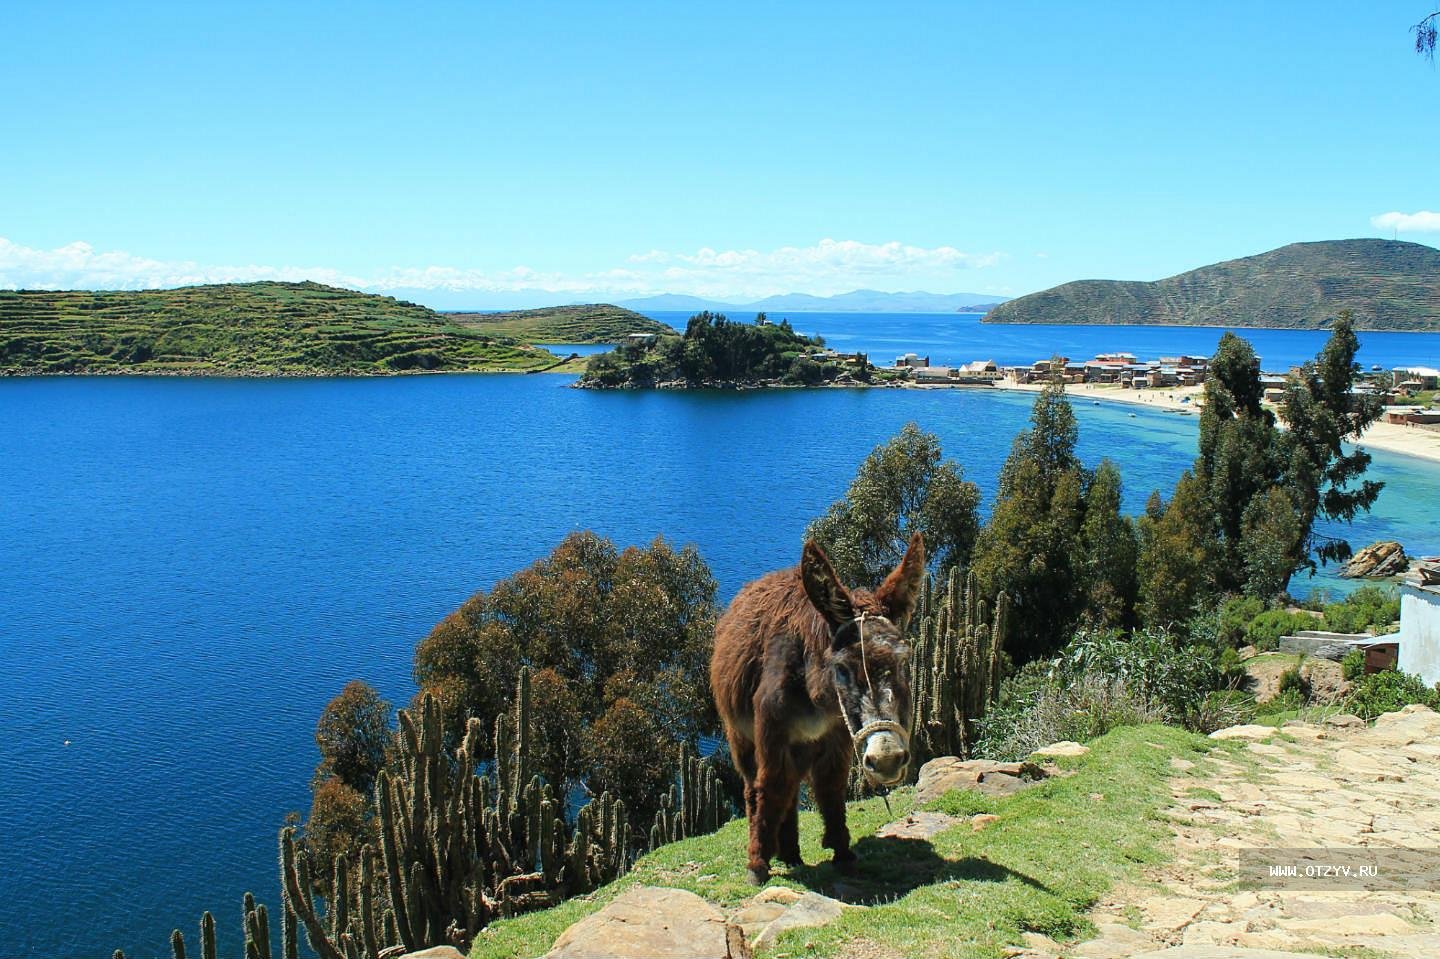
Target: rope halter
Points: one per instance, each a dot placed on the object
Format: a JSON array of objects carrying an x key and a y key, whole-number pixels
[{"x": 858, "y": 737}]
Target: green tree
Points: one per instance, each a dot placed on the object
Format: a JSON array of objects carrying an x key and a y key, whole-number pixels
[
  {"x": 1322, "y": 414},
  {"x": 1032, "y": 548},
  {"x": 340, "y": 822},
  {"x": 628, "y": 754},
  {"x": 581, "y": 617},
  {"x": 1238, "y": 444},
  {"x": 352, "y": 733},
  {"x": 1271, "y": 542},
  {"x": 902, "y": 485},
  {"x": 1178, "y": 550},
  {"x": 1111, "y": 550}
]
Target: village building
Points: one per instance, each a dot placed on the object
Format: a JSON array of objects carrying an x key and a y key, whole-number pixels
[{"x": 1420, "y": 629}]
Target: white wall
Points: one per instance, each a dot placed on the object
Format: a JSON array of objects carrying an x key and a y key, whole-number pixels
[{"x": 1420, "y": 632}]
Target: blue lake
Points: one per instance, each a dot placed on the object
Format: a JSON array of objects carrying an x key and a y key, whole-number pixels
[{"x": 192, "y": 568}]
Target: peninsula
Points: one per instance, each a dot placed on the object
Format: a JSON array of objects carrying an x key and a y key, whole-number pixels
[
  {"x": 586, "y": 323},
  {"x": 245, "y": 329},
  {"x": 1385, "y": 284}
]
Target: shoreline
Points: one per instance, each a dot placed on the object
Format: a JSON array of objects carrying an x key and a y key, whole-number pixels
[{"x": 1388, "y": 437}]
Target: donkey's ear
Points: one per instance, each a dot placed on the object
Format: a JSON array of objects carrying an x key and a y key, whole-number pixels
[
  {"x": 901, "y": 589},
  {"x": 824, "y": 588}
]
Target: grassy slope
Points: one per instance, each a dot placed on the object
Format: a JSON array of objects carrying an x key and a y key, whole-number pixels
[
  {"x": 1054, "y": 852},
  {"x": 591, "y": 323},
  {"x": 247, "y": 328},
  {"x": 1387, "y": 285}
]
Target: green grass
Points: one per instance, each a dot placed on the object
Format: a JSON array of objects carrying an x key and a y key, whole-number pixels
[
  {"x": 591, "y": 323},
  {"x": 292, "y": 329},
  {"x": 1054, "y": 851}
]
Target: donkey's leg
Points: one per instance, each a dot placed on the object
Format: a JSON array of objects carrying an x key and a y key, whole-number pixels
[
  {"x": 742, "y": 754},
  {"x": 830, "y": 781},
  {"x": 776, "y": 787},
  {"x": 789, "y": 839}
]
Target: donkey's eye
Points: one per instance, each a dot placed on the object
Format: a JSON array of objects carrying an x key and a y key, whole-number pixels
[{"x": 842, "y": 675}]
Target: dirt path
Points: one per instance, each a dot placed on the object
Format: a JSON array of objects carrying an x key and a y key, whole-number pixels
[{"x": 1308, "y": 786}]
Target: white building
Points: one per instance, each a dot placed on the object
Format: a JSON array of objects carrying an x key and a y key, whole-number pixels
[{"x": 1420, "y": 631}]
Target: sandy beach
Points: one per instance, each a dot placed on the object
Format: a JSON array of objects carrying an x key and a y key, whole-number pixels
[{"x": 1390, "y": 437}]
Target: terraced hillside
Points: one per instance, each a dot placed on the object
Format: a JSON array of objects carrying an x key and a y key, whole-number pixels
[
  {"x": 278, "y": 329},
  {"x": 1385, "y": 284},
  {"x": 589, "y": 323}
]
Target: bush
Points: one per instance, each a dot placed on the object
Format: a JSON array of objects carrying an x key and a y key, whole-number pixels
[
  {"x": 1165, "y": 675},
  {"x": 1265, "y": 630},
  {"x": 1224, "y": 708},
  {"x": 1236, "y": 614},
  {"x": 1366, "y": 607},
  {"x": 1293, "y": 680},
  {"x": 1232, "y": 668},
  {"x": 1029, "y": 718},
  {"x": 1387, "y": 691},
  {"x": 1352, "y": 667}
]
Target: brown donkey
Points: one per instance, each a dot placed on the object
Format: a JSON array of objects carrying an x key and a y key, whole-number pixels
[{"x": 805, "y": 672}]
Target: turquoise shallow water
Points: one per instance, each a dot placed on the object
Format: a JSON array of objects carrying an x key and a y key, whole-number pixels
[{"x": 191, "y": 568}]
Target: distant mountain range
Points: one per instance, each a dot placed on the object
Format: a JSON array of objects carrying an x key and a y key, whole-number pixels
[
  {"x": 856, "y": 301},
  {"x": 1386, "y": 284}
]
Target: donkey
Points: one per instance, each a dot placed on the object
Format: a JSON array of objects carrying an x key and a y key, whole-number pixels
[{"x": 805, "y": 673}]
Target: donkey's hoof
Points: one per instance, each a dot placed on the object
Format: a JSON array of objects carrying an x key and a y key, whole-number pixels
[
  {"x": 794, "y": 862},
  {"x": 758, "y": 875},
  {"x": 845, "y": 864}
]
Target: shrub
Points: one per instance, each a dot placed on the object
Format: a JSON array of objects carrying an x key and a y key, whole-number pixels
[
  {"x": 1293, "y": 680},
  {"x": 1059, "y": 710},
  {"x": 1232, "y": 668},
  {"x": 1366, "y": 607},
  {"x": 1352, "y": 667},
  {"x": 1165, "y": 675},
  {"x": 1236, "y": 614},
  {"x": 351, "y": 734},
  {"x": 1265, "y": 630},
  {"x": 1224, "y": 708},
  {"x": 1387, "y": 691}
]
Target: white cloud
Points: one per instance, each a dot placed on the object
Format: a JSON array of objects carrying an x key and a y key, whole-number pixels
[
  {"x": 827, "y": 267},
  {"x": 1422, "y": 221}
]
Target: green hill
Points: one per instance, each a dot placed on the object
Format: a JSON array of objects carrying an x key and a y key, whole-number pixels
[
  {"x": 590, "y": 323},
  {"x": 1387, "y": 285},
  {"x": 286, "y": 329},
  {"x": 1049, "y": 855}
]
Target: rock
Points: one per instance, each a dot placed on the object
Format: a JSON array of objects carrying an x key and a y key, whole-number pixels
[
  {"x": 811, "y": 909},
  {"x": 1220, "y": 952},
  {"x": 1249, "y": 732},
  {"x": 784, "y": 895},
  {"x": 1345, "y": 721},
  {"x": 1249, "y": 652},
  {"x": 436, "y": 952},
  {"x": 939, "y": 776},
  {"x": 1414, "y": 708},
  {"x": 1385, "y": 558},
  {"x": 984, "y": 819},
  {"x": 918, "y": 825},
  {"x": 1062, "y": 748},
  {"x": 652, "y": 923}
]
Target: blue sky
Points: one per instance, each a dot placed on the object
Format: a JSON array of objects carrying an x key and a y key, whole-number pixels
[{"x": 488, "y": 153}]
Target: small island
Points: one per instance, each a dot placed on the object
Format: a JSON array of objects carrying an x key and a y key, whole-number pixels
[
  {"x": 246, "y": 329},
  {"x": 717, "y": 352}
]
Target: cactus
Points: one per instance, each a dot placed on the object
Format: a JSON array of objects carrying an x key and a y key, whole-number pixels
[
  {"x": 456, "y": 849},
  {"x": 955, "y": 668},
  {"x": 694, "y": 806}
]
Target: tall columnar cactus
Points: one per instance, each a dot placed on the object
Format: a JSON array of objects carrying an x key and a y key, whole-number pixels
[
  {"x": 695, "y": 804},
  {"x": 455, "y": 848},
  {"x": 955, "y": 667}
]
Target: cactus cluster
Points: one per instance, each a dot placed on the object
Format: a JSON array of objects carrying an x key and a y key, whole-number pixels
[
  {"x": 955, "y": 667},
  {"x": 694, "y": 806},
  {"x": 458, "y": 847}
]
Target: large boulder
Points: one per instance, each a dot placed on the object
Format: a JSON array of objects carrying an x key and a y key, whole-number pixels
[
  {"x": 648, "y": 922},
  {"x": 1385, "y": 558},
  {"x": 939, "y": 776}
]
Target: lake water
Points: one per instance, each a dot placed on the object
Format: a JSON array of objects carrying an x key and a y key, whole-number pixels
[{"x": 192, "y": 568}]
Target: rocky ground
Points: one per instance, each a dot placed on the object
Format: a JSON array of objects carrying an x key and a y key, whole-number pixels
[{"x": 1333, "y": 786}]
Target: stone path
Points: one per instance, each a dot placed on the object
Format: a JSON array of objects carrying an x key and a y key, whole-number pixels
[{"x": 1334, "y": 786}]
